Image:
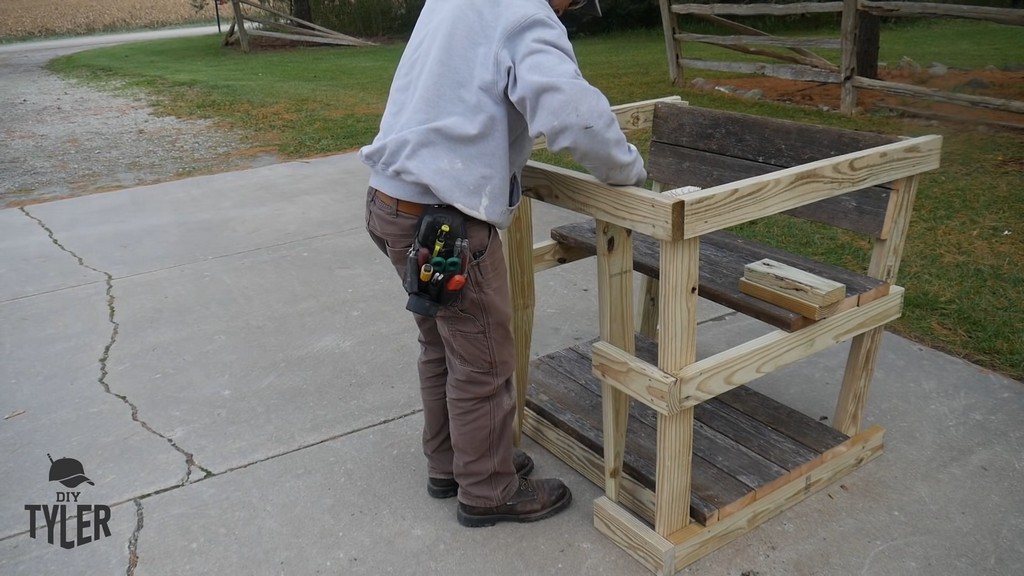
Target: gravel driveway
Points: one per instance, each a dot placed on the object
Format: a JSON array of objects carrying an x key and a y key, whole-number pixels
[{"x": 60, "y": 138}]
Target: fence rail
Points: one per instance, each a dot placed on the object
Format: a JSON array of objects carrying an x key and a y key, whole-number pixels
[{"x": 857, "y": 41}]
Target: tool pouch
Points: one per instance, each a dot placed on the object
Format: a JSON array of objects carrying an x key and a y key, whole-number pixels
[{"x": 437, "y": 262}]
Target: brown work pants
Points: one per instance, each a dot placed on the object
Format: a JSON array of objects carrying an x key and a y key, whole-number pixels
[{"x": 466, "y": 361}]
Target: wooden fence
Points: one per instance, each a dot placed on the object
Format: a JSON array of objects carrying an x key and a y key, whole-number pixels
[{"x": 857, "y": 42}]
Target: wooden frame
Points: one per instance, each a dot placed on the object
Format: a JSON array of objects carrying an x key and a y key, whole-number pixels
[{"x": 680, "y": 382}]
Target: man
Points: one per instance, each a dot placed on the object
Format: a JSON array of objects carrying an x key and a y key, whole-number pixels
[{"x": 479, "y": 80}]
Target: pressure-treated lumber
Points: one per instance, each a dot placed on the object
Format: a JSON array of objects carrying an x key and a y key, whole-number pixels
[
  {"x": 885, "y": 262},
  {"x": 632, "y": 116},
  {"x": 635, "y": 208},
  {"x": 671, "y": 392},
  {"x": 550, "y": 254},
  {"x": 723, "y": 256},
  {"x": 677, "y": 334},
  {"x": 800, "y": 284},
  {"x": 518, "y": 249},
  {"x": 695, "y": 541},
  {"x": 615, "y": 314},
  {"x": 807, "y": 294},
  {"x": 744, "y": 444},
  {"x": 788, "y": 301},
  {"x": 735, "y": 203}
]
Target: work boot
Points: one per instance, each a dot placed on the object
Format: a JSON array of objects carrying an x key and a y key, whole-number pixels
[
  {"x": 448, "y": 487},
  {"x": 534, "y": 500}
]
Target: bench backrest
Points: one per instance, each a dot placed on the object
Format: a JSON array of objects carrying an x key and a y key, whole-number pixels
[{"x": 692, "y": 146}]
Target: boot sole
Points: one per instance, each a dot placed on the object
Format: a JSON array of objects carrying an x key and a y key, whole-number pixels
[
  {"x": 444, "y": 493},
  {"x": 481, "y": 521}
]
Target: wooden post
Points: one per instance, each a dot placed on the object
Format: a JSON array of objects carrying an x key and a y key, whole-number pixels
[
  {"x": 885, "y": 263},
  {"x": 677, "y": 348},
  {"x": 848, "y": 63},
  {"x": 243, "y": 37},
  {"x": 868, "y": 39},
  {"x": 518, "y": 247},
  {"x": 669, "y": 24},
  {"x": 615, "y": 309},
  {"x": 648, "y": 305}
]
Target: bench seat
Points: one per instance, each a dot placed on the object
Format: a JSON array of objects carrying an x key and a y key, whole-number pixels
[
  {"x": 722, "y": 258},
  {"x": 744, "y": 443}
]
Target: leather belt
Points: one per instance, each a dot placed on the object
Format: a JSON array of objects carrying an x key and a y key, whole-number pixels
[{"x": 404, "y": 206}]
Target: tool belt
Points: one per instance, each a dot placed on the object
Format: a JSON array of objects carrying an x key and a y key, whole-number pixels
[{"x": 438, "y": 261}]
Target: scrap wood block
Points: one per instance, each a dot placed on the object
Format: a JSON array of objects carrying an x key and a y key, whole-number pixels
[{"x": 807, "y": 294}]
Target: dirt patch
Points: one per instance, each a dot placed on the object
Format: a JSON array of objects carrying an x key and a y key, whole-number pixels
[{"x": 1003, "y": 84}]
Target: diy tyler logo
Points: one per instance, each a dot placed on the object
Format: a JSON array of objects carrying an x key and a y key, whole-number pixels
[{"x": 83, "y": 523}]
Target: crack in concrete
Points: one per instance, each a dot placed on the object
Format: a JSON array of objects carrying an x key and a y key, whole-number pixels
[
  {"x": 190, "y": 461},
  {"x": 133, "y": 541}
]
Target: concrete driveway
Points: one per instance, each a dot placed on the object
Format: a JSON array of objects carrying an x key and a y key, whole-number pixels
[{"x": 229, "y": 359}]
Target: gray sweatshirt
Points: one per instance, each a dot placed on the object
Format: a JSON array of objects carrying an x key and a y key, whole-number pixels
[{"x": 480, "y": 80}]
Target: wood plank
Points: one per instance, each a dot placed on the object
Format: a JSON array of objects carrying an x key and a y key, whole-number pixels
[
  {"x": 354, "y": 40},
  {"x": 745, "y": 363},
  {"x": 754, "y": 31},
  {"x": 638, "y": 540},
  {"x": 802, "y": 285},
  {"x": 1012, "y": 16},
  {"x": 677, "y": 334},
  {"x": 575, "y": 410},
  {"x": 781, "y": 143},
  {"x": 767, "y": 40},
  {"x": 786, "y": 71},
  {"x": 744, "y": 49},
  {"x": 695, "y": 542},
  {"x": 862, "y": 211},
  {"x": 633, "y": 495},
  {"x": 787, "y": 301},
  {"x": 303, "y": 38},
  {"x": 550, "y": 254},
  {"x": 615, "y": 317},
  {"x": 783, "y": 419},
  {"x": 518, "y": 252},
  {"x": 722, "y": 257},
  {"x": 770, "y": 444},
  {"x": 885, "y": 262},
  {"x": 631, "y": 116},
  {"x": 632, "y": 207},
  {"x": 730, "y": 204},
  {"x": 939, "y": 95},
  {"x": 759, "y": 9},
  {"x": 633, "y": 376}
]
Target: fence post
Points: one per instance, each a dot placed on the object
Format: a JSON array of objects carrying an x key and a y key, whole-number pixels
[
  {"x": 848, "y": 64},
  {"x": 868, "y": 38},
  {"x": 670, "y": 25}
]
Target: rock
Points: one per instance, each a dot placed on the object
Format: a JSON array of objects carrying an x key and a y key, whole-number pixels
[
  {"x": 727, "y": 89},
  {"x": 755, "y": 94},
  {"x": 937, "y": 69},
  {"x": 701, "y": 84},
  {"x": 907, "y": 63},
  {"x": 976, "y": 84}
]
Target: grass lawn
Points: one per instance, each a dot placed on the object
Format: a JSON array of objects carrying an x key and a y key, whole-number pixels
[{"x": 964, "y": 264}]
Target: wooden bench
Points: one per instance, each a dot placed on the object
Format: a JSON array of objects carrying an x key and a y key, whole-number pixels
[{"x": 699, "y": 456}]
